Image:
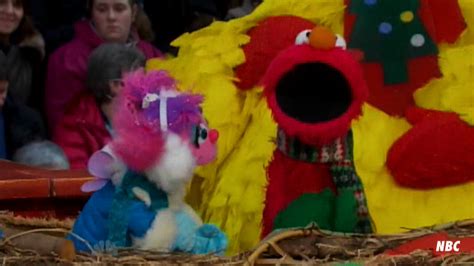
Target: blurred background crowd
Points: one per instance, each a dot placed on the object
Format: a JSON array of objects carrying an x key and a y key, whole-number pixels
[{"x": 62, "y": 61}]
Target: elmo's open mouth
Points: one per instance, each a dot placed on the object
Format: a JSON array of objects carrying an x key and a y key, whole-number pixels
[{"x": 313, "y": 92}]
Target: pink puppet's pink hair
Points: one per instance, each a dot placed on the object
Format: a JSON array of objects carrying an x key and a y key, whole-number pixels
[
  {"x": 138, "y": 144},
  {"x": 138, "y": 136}
]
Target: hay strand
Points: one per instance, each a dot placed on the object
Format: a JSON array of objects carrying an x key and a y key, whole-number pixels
[
  {"x": 308, "y": 246},
  {"x": 313, "y": 245}
]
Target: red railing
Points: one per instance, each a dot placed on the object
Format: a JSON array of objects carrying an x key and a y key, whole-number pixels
[{"x": 36, "y": 192}]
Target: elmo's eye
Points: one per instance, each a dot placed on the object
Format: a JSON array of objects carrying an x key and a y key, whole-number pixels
[
  {"x": 303, "y": 37},
  {"x": 341, "y": 42}
]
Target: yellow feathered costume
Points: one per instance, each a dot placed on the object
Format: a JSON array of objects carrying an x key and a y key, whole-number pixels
[{"x": 230, "y": 192}]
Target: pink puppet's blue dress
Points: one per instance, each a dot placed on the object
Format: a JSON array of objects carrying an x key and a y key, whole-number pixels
[{"x": 112, "y": 216}]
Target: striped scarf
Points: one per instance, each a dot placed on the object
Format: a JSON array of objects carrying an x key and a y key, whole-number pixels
[{"x": 339, "y": 155}]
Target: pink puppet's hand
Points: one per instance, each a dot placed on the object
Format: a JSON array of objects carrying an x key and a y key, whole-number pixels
[{"x": 104, "y": 167}]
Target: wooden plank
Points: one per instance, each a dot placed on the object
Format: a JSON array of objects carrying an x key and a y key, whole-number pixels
[
  {"x": 20, "y": 181},
  {"x": 11, "y": 170},
  {"x": 36, "y": 192},
  {"x": 68, "y": 187},
  {"x": 25, "y": 188}
]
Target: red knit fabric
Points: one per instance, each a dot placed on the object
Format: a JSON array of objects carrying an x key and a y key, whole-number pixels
[
  {"x": 267, "y": 39},
  {"x": 436, "y": 152},
  {"x": 444, "y": 22},
  {"x": 289, "y": 179},
  {"x": 319, "y": 133},
  {"x": 416, "y": 115},
  {"x": 394, "y": 99},
  {"x": 443, "y": 18}
]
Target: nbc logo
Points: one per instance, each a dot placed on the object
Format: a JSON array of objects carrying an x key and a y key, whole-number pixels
[{"x": 447, "y": 246}]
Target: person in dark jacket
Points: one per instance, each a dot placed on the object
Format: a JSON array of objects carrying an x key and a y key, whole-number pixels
[
  {"x": 21, "y": 50},
  {"x": 85, "y": 126},
  {"x": 55, "y": 20},
  {"x": 19, "y": 124}
]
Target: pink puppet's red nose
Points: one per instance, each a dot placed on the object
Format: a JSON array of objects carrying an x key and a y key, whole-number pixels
[{"x": 213, "y": 136}]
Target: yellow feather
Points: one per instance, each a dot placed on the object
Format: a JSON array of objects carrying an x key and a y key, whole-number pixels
[
  {"x": 454, "y": 91},
  {"x": 241, "y": 179},
  {"x": 374, "y": 133},
  {"x": 467, "y": 9}
]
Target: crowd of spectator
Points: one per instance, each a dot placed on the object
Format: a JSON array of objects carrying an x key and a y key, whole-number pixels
[{"x": 62, "y": 62}]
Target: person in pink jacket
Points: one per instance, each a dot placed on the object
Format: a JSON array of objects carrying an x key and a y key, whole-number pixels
[{"x": 110, "y": 21}]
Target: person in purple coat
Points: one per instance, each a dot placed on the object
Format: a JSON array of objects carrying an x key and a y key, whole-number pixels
[{"x": 109, "y": 21}]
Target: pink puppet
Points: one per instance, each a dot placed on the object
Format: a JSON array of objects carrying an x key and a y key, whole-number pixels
[{"x": 160, "y": 136}]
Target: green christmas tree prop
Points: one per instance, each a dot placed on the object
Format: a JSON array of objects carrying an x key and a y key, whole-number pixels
[{"x": 390, "y": 32}]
